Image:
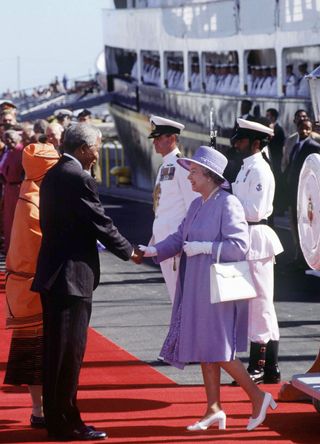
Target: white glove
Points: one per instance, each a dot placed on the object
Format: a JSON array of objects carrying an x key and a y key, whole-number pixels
[
  {"x": 195, "y": 247},
  {"x": 148, "y": 251}
]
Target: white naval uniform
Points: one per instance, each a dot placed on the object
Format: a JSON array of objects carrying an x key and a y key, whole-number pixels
[
  {"x": 254, "y": 187},
  {"x": 174, "y": 198}
]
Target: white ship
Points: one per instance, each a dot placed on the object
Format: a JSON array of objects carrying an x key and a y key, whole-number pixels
[{"x": 149, "y": 43}]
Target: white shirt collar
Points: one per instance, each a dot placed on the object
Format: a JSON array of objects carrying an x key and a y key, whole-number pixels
[
  {"x": 252, "y": 159},
  {"x": 171, "y": 154}
]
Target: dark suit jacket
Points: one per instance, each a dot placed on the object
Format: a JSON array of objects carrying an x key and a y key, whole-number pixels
[
  {"x": 276, "y": 147},
  {"x": 294, "y": 167},
  {"x": 72, "y": 219}
]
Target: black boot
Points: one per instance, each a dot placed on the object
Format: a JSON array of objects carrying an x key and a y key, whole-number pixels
[
  {"x": 256, "y": 362},
  {"x": 271, "y": 369}
]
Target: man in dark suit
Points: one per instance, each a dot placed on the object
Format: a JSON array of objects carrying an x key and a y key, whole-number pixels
[
  {"x": 72, "y": 219},
  {"x": 301, "y": 150},
  {"x": 276, "y": 151}
]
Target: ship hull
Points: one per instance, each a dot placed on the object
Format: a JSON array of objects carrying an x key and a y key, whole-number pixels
[{"x": 131, "y": 110}]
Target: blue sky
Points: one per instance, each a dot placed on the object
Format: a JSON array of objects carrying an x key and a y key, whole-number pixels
[{"x": 51, "y": 37}]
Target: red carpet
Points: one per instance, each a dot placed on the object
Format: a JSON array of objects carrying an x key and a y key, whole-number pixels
[{"x": 136, "y": 404}]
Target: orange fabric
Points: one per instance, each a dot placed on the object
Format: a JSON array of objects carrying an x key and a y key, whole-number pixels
[{"x": 23, "y": 305}]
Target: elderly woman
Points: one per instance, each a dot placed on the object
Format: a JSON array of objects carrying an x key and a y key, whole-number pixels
[
  {"x": 202, "y": 332},
  {"x": 24, "y": 311}
]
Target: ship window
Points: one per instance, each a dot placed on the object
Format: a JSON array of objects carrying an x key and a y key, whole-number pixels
[
  {"x": 297, "y": 63},
  {"x": 174, "y": 70},
  {"x": 150, "y": 68},
  {"x": 120, "y": 62},
  {"x": 220, "y": 73}
]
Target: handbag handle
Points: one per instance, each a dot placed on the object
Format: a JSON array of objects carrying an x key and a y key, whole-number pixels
[{"x": 219, "y": 252}]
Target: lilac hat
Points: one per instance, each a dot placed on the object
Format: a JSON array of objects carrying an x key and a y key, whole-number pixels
[{"x": 207, "y": 157}]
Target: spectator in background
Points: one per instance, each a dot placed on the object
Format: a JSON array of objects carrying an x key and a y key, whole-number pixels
[
  {"x": 300, "y": 114},
  {"x": 63, "y": 117},
  {"x": 276, "y": 151},
  {"x": 8, "y": 119},
  {"x": 27, "y": 133},
  {"x": 274, "y": 82},
  {"x": 195, "y": 83},
  {"x": 8, "y": 105},
  {"x": 290, "y": 89},
  {"x": 211, "y": 79},
  {"x": 54, "y": 133},
  {"x": 234, "y": 87},
  {"x": 40, "y": 128},
  {"x": 65, "y": 82},
  {"x": 11, "y": 171},
  {"x": 303, "y": 89},
  {"x": 304, "y": 146},
  {"x": 84, "y": 116}
]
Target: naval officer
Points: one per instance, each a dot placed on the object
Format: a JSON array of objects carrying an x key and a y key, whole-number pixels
[
  {"x": 254, "y": 187},
  {"x": 172, "y": 194}
]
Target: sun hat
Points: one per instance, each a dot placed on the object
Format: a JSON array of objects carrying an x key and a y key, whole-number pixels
[{"x": 207, "y": 157}]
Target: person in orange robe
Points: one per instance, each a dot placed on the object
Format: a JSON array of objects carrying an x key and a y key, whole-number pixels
[{"x": 24, "y": 310}]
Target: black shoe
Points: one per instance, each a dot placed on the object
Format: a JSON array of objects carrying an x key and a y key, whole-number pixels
[
  {"x": 85, "y": 433},
  {"x": 37, "y": 422},
  {"x": 272, "y": 375},
  {"x": 257, "y": 376}
]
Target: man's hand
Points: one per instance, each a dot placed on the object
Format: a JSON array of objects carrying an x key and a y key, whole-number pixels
[
  {"x": 137, "y": 255},
  {"x": 148, "y": 251}
]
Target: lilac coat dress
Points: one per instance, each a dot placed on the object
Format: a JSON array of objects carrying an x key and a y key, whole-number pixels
[{"x": 200, "y": 331}]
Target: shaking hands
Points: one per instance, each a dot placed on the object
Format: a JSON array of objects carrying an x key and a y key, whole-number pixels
[{"x": 142, "y": 251}]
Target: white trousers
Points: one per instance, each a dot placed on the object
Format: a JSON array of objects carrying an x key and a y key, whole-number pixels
[
  {"x": 170, "y": 275},
  {"x": 263, "y": 323}
]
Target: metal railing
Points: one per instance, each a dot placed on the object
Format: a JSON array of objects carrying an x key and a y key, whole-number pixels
[{"x": 112, "y": 156}]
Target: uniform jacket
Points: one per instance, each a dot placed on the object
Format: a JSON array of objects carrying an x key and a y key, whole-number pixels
[
  {"x": 254, "y": 187},
  {"x": 71, "y": 220},
  {"x": 172, "y": 197}
]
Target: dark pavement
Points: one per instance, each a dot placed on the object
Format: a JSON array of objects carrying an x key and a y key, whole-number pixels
[{"x": 132, "y": 308}]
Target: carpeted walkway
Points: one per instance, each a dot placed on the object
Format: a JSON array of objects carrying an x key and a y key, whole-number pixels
[{"x": 137, "y": 404}]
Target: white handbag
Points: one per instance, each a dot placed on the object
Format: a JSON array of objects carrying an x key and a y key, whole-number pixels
[{"x": 230, "y": 281}]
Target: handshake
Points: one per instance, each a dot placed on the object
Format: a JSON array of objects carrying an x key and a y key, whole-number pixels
[
  {"x": 190, "y": 249},
  {"x": 141, "y": 251}
]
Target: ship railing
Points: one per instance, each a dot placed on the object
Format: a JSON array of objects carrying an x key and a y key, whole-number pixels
[{"x": 112, "y": 166}]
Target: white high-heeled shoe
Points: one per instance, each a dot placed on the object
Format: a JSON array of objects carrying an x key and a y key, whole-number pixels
[
  {"x": 268, "y": 401},
  {"x": 219, "y": 417}
]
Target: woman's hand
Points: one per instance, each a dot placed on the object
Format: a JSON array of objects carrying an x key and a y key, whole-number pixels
[
  {"x": 194, "y": 248},
  {"x": 148, "y": 251}
]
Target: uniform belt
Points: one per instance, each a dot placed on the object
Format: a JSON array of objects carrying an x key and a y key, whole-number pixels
[
  {"x": 261, "y": 222},
  {"x": 14, "y": 183}
]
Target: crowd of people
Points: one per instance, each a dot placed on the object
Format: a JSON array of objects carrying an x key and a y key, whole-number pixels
[
  {"x": 223, "y": 78},
  {"x": 49, "y": 91},
  {"x": 206, "y": 206}
]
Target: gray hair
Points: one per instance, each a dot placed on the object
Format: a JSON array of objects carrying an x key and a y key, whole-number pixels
[
  {"x": 14, "y": 135},
  {"x": 214, "y": 177},
  {"x": 78, "y": 135}
]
